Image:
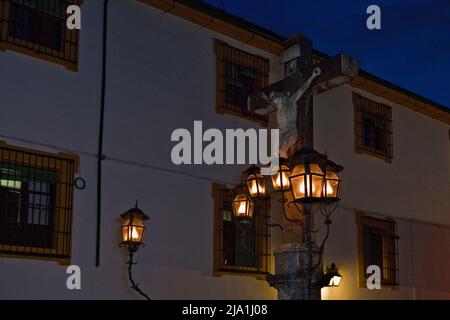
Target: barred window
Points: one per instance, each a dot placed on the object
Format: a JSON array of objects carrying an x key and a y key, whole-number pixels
[
  {"x": 36, "y": 196},
  {"x": 240, "y": 246},
  {"x": 239, "y": 75},
  {"x": 379, "y": 247},
  {"x": 373, "y": 122},
  {"x": 38, "y": 28}
]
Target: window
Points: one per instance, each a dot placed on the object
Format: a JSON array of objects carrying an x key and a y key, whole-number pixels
[
  {"x": 240, "y": 246},
  {"x": 373, "y": 122},
  {"x": 36, "y": 195},
  {"x": 378, "y": 244},
  {"x": 239, "y": 74},
  {"x": 38, "y": 28}
]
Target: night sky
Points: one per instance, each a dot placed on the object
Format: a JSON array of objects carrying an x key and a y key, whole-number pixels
[{"x": 411, "y": 50}]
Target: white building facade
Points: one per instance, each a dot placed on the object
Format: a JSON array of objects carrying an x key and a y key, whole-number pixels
[{"x": 162, "y": 73}]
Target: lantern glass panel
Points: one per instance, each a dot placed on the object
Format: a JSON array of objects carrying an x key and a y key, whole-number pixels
[
  {"x": 242, "y": 206},
  {"x": 280, "y": 178},
  {"x": 331, "y": 186},
  {"x": 335, "y": 281},
  {"x": 256, "y": 185},
  {"x": 317, "y": 180},
  {"x": 133, "y": 230},
  {"x": 307, "y": 184},
  {"x": 297, "y": 180}
]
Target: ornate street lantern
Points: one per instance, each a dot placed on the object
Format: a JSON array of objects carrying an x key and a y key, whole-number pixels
[
  {"x": 132, "y": 238},
  {"x": 255, "y": 182},
  {"x": 242, "y": 204},
  {"x": 133, "y": 228},
  {"x": 280, "y": 176}
]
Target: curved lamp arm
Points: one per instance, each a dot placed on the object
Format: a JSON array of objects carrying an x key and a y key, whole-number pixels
[{"x": 134, "y": 285}]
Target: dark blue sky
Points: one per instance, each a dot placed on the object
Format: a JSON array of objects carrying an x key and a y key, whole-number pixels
[{"x": 412, "y": 49}]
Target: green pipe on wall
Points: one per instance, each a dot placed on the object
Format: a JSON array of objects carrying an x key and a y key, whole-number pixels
[{"x": 100, "y": 156}]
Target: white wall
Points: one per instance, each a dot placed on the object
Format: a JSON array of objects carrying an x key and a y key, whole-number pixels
[
  {"x": 163, "y": 81},
  {"x": 414, "y": 189},
  {"x": 44, "y": 102}
]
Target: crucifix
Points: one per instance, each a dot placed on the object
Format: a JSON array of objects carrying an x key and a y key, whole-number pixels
[{"x": 291, "y": 99}]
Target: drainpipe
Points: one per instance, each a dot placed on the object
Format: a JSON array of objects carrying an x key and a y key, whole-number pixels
[{"x": 100, "y": 156}]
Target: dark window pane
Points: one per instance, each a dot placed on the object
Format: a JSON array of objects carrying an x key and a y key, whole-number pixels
[
  {"x": 29, "y": 23},
  {"x": 373, "y": 127},
  {"x": 36, "y": 194},
  {"x": 27, "y": 208},
  {"x": 239, "y": 75},
  {"x": 9, "y": 213},
  {"x": 373, "y": 247},
  {"x": 239, "y": 246},
  {"x": 379, "y": 246},
  {"x": 240, "y": 83},
  {"x": 243, "y": 244},
  {"x": 373, "y": 131}
]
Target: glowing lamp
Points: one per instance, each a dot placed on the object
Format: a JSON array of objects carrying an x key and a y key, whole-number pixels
[
  {"x": 306, "y": 182},
  {"x": 331, "y": 186},
  {"x": 242, "y": 204},
  {"x": 255, "y": 182},
  {"x": 280, "y": 176},
  {"x": 333, "y": 276},
  {"x": 133, "y": 228}
]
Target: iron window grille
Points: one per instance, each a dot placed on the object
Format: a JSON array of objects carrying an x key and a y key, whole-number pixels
[
  {"x": 239, "y": 75},
  {"x": 36, "y": 199},
  {"x": 38, "y": 28},
  {"x": 373, "y": 123},
  {"x": 240, "y": 246},
  {"x": 379, "y": 247}
]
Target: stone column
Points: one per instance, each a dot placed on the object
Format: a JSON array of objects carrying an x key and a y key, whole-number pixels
[{"x": 290, "y": 277}]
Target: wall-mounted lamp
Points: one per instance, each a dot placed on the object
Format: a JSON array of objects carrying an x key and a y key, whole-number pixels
[
  {"x": 332, "y": 278},
  {"x": 133, "y": 228},
  {"x": 132, "y": 232}
]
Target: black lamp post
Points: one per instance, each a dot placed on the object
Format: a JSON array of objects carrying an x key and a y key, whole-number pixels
[
  {"x": 313, "y": 182},
  {"x": 132, "y": 232}
]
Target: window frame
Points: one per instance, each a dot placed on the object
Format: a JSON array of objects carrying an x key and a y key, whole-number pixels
[
  {"x": 67, "y": 57},
  {"x": 65, "y": 167},
  {"x": 244, "y": 59},
  {"x": 262, "y": 241},
  {"x": 391, "y": 281},
  {"x": 363, "y": 105}
]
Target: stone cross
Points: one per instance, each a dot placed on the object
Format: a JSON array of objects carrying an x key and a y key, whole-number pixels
[
  {"x": 292, "y": 98},
  {"x": 292, "y": 101}
]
